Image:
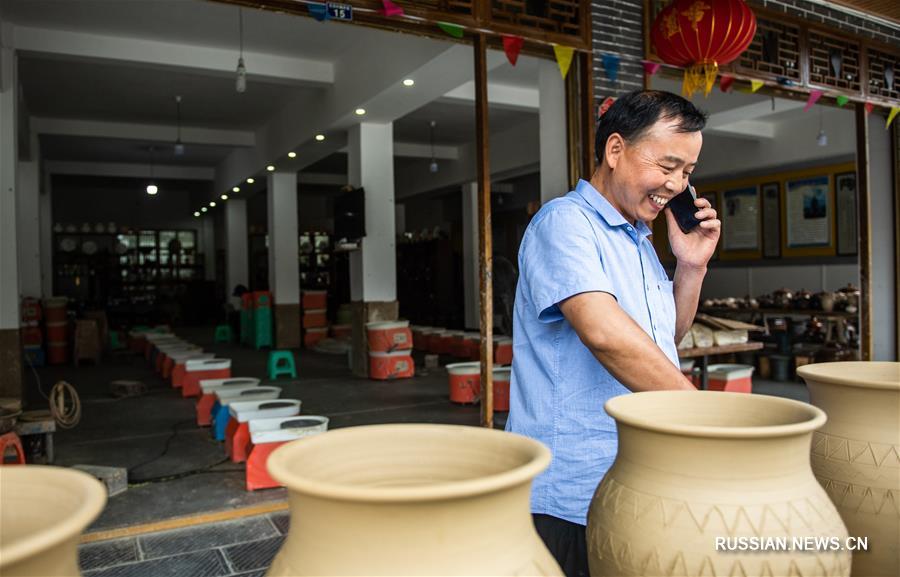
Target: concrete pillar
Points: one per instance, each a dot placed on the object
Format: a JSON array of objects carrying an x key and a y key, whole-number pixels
[
  {"x": 207, "y": 242},
  {"x": 552, "y": 122},
  {"x": 284, "y": 263},
  {"x": 28, "y": 229},
  {"x": 45, "y": 209},
  {"x": 883, "y": 228},
  {"x": 373, "y": 268},
  {"x": 10, "y": 352},
  {"x": 471, "y": 270},
  {"x": 236, "y": 267},
  {"x": 400, "y": 218}
]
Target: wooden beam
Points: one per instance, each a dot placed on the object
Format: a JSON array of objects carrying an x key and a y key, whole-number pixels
[
  {"x": 865, "y": 233},
  {"x": 588, "y": 114},
  {"x": 485, "y": 242},
  {"x": 895, "y": 147}
]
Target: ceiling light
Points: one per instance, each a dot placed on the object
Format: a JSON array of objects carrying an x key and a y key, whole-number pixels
[
  {"x": 179, "y": 147},
  {"x": 360, "y": 111},
  {"x": 822, "y": 137},
  {"x": 236, "y": 189},
  {"x": 224, "y": 197},
  {"x": 270, "y": 168},
  {"x": 212, "y": 203},
  {"x": 204, "y": 209},
  {"x": 250, "y": 180},
  {"x": 320, "y": 137},
  {"x": 433, "y": 167},
  {"x": 196, "y": 213},
  {"x": 409, "y": 82},
  {"x": 152, "y": 189},
  {"x": 240, "y": 83},
  {"x": 292, "y": 154}
]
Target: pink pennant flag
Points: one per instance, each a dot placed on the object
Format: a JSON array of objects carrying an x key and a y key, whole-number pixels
[
  {"x": 391, "y": 9},
  {"x": 725, "y": 83},
  {"x": 512, "y": 45},
  {"x": 651, "y": 68},
  {"x": 869, "y": 108},
  {"x": 814, "y": 97}
]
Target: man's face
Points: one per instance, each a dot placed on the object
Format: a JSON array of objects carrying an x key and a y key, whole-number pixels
[{"x": 649, "y": 172}]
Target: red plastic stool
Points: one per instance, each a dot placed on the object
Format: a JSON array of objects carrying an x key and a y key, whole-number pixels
[
  {"x": 196, "y": 370},
  {"x": 9, "y": 441},
  {"x": 237, "y": 433},
  {"x": 179, "y": 364},
  {"x": 269, "y": 434},
  {"x": 257, "y": 474}
]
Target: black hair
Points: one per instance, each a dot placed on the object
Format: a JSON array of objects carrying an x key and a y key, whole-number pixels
[{"x": 632, "y": 115}]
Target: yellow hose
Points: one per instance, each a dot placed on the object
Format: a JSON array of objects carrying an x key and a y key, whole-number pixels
[{"x": 67, "y": 414}]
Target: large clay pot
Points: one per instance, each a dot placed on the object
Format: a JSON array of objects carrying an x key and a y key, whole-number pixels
[
  {"x": 697, "y": 469},
  {"x": 411, "y": 500},
  {"x": 43, "y": 512},
  {"x": 856, "y": 455}
]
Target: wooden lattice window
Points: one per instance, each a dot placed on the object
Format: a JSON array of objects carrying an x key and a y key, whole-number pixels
[
  {"x": 561, "y": 16},
  {"x": 882, "y": 69},
  {"x": 834, "y": 62},
  {"x": 775, "y": 51},
  {"x": 464, "y": 7}
]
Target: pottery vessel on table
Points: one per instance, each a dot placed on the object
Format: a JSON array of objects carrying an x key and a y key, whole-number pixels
[
  {"x": 856, "y": 455},
  {"x": 697, "y": 468},
  {"x": 411, "y": 499},
  {"x": 43, "y": 511}
]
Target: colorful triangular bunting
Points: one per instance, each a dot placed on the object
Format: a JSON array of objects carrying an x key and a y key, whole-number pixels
[
  {"x": 842, "y": 100},
  {"x": 756, "y": 85},
  {"x": 391, "y": 9},
  {"x": 318, "y": 11},
  {"x": 725, "y": 83},
  {"x": 651, "y": 68},
  {"x": 611, "y": 65},
  {"x": 869, "y": 108},
  {"x": 563, "y": 58},
  {"x": 814, "y": 97},
  {"x": 454, "y": 30},
  {"x": 891, "y": 116},
  {"x": 512, "y": 45}
]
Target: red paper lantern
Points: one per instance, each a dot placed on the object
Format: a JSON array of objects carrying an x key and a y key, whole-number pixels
[{"x": 701, "y": 35}]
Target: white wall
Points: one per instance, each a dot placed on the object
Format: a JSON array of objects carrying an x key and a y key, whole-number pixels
[
  {"x": 724, "y": 282},
  {"x": 28, "y": 229}
]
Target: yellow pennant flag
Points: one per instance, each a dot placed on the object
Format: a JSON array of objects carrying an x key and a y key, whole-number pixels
[
  {"x": 563, "y": 58},
  {"x": 756, "y": 85},
  {"x": 891, "y": 116}
]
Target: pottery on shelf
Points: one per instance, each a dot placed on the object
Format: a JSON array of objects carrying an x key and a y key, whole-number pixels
[
  {"x": 44, "y": 510},
  {"x": 856, "y": 455},
  {"x": 696, "y": 467},
  {"x": 411, "y": 499}
]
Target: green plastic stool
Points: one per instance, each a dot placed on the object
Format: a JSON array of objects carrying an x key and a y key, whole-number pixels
[
  {"x": 277, "y": 367},
  {"x": 223, "y": 334},
  {"x": 115, "y": 343}
]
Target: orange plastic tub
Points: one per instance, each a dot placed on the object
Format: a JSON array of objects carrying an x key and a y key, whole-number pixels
[
  {"x": 393, "y": 365},
  {"x": 55, "y": 309},
  {"x": 57, "y": 353},
  {"x": 501, "y": 388},
  {"x": 465, "y": 382},
  {"x": 314, "y": 299},
  {"x": 341, "y": 331},
  {"x": 57, "y": 331},
  {"x": 503, "y": 351},
  {"x": 312, "y": 337},
  {"x": 314, "y": 318},
  {"x": 385, "y": 337}
]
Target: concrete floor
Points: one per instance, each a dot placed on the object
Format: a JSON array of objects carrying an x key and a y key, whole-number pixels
[{"x": 158, "y": 428}]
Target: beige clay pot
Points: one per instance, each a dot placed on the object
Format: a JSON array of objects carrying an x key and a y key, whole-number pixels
[
  {"x": 411, "y": 500},
  {"x": 43, "y": 512},
  {"x": 856, "y": 455},
  {"x": 696, "y": 466}
]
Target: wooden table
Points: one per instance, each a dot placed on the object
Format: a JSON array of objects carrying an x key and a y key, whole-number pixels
[{"x": 703, "y": 353}]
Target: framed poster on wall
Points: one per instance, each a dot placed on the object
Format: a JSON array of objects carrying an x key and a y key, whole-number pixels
[
  {"x": 740, "y": 219},
  {"x": 845, "y": 206},
  {"x": 808, "y": 212},
  {"x": 771, "y": 219}
]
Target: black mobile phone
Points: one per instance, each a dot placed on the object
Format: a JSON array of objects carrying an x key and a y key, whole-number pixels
[{"x": 682, "y": 206}]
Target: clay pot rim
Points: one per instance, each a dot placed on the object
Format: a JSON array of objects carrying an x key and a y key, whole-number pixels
[
  {"x": 93, "y": 499},
  {"x": 844, "y": 373},
  {"x": 280, "y": 459},
  {"x": 816, "y": 416}
]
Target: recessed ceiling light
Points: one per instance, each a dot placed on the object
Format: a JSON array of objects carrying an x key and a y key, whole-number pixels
[
  {"x": 236, "y": 189},
  {"x": 270, "y": 168},
  {"x": 409, "y": 82},
  {"x": 292, "y": 154},
  {"x": 360, "y": 111},
  {"x": 250, "y": 180},
  {"x": 212, "y": 203},
  {"x": 197, "y": 213},
  {"x": 320, "y": 137},
  {"x": 224, "y": 197},
  {"x": 152, "y": 189},
  {"x": 204, "y": 209}
]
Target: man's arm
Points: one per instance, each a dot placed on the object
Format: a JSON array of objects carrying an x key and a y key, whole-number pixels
[
  {"x": 620, "y": 344},
  {"x": 688, "y": 281}
]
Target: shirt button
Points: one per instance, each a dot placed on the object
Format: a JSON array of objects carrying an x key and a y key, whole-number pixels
[{"x": 629, "y": 229}]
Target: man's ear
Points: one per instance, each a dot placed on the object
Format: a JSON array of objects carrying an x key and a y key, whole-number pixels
[{"x": 615, "y": 146}]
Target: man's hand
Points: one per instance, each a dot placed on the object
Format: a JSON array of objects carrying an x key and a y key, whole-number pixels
[{"x": 694, "y": 249}]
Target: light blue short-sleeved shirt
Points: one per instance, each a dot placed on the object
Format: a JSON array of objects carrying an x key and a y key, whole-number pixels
[{"x": 575, "y": 244}]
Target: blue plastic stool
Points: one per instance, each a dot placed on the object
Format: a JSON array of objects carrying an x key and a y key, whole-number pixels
[
  {"x": 220, "y": 418},
  {"x": 276, "y": 367}
]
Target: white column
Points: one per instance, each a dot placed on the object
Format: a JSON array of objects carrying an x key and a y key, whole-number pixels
[
  {"x": 28, "y": 222},
  {"x": 9, "y": 268},
  {"x": 236, "y": 268},
  {"x": 552, "y": 122},
  {"x": 284, "y": 264},
  {"x": 471, "y": 268},
  {"x": 883, "y": 228},
  {"x": 370, "y": 162},
  {"x": 46, "y": 217},
  {"x": 208, "y": 247}
]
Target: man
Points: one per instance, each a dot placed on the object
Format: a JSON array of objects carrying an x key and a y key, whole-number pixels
[{"x": 595, "y": 313}]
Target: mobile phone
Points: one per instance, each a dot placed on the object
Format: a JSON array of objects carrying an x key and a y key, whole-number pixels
[{"x": 683, "y": 208}]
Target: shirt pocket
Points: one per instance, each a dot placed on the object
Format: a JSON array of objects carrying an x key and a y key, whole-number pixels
[{"x": 665, "y": 312}]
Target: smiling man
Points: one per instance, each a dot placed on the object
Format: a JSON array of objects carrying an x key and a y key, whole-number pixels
[{"x": 595, "y": 313}]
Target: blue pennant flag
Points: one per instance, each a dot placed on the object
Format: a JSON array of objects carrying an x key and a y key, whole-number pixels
[
  {"x": 319, "y": 11},
  {"x": 611, "y": 65}
]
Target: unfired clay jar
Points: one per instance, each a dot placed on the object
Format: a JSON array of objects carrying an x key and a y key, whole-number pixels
[
  {"x": 696, "y": 466},
  {"x": 856, "y": 455},
  {"x": 43, "y": 511},
  {"x": 411, "y": 500}
]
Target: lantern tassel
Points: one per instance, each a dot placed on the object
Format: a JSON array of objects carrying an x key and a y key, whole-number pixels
[{"x": 699, "y": 76}]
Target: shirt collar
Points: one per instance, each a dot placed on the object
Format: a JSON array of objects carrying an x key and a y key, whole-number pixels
[{"x": 606, "y": 210}]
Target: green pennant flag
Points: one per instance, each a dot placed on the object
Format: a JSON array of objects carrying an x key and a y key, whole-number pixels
[
  {"x": 842, "y": 100},
  {"x": 454, "y": 30}
]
